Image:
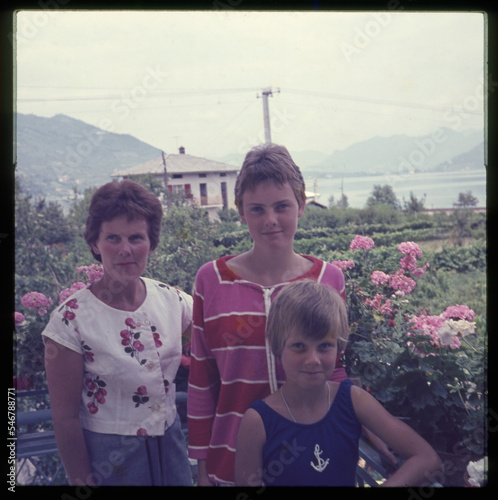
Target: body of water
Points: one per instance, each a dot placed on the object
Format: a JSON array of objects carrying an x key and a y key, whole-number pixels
[{"x": 441, "y": 188}]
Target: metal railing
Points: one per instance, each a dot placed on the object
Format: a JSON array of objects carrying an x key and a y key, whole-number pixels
[{"x": 39, "y": 462}]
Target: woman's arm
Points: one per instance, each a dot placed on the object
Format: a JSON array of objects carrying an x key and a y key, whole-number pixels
[
  {"x": 421, "y": 460},
  {"x": 64, "y": 369},
  {"x": 249, "y": 454}
]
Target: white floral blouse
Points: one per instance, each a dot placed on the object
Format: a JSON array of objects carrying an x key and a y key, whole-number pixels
[{"x": 130, "y": 358}]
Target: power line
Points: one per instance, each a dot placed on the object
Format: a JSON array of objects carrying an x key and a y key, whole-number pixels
[
  {"x": 152, "y": 94},
  {"x": 387, "y": 102},
  {"x": 161, "y": 93}
]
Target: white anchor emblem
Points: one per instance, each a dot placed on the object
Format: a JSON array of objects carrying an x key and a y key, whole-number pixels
[{"x": 320, "y": 467}]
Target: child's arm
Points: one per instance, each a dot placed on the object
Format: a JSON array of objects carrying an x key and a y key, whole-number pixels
[
  {"x": 249, "y": 454},
  {"x": 421, "y": 460}
]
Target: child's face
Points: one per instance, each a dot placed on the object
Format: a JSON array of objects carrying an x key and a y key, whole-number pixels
[
  {"x": 271, "y": 212},
  {"x": 308, "y": 362}
]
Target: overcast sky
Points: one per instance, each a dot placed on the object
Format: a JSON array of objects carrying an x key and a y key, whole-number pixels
[{"x": 193, "y": 78}]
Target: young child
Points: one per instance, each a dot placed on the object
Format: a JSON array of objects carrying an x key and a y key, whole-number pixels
[
  {"x": 232, "y": 364},
  {"x": 307, "y": 432}
]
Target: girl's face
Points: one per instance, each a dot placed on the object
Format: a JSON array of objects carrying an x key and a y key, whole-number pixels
[
  {"x": 271, "y": 212},
  {"x": 124, "y": 248},
  {"x": 308, "y": 362}
]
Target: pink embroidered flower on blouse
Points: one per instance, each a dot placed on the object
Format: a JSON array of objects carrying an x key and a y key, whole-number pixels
[
  {"x": 141, "y": 432},
  {"x": 92, "y": 407},
  {"x": 157, "y": 339},
  {"x": 138, "y": 346},
  {"x": 361, "y": 242},
  {"x": 96, "y": 391},
  {"x": 127, "y": 337},
  {"x": 131, "y": 323},
  {"x": 133, "y": 346}
]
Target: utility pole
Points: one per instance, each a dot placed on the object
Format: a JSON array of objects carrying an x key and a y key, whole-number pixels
[
  {"x": 266, "y": 112},
  {"x": 165, "y": 179}
]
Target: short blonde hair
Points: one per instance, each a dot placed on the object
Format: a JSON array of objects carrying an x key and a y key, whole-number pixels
[
  {"x": 269, "y": 162},
  {"x": 313, "y": 308}
]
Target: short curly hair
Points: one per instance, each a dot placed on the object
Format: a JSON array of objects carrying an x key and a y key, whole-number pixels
[
  {"x": 269, "y": 162},
  {"x": 128, "y": 198}
]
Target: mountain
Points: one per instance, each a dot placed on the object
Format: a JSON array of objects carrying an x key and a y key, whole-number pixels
[
  {"x": 55, "y": 154},
  {"x": 403, "y": 154},
  {"x": 304, "y": 159},
  {"x": 471, "y": 159}
]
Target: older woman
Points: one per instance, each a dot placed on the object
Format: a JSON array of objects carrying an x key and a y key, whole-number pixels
[{"x": 112, "y": 352}]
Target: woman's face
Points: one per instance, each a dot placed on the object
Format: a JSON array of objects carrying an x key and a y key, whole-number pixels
[{"x": 124, "y": 248}]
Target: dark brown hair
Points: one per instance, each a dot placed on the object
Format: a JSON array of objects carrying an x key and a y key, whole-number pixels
[
  {"x": 127, "y": 198},
  {"x": 269, "y": 162}
]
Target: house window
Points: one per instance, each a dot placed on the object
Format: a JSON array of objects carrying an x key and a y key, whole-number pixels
[
  {"x": 223, "y": 174},
  {"x": 204, "y": 197},
  {"x": 188, "y": 191},
  {"x": 177, "y": 176},
  {"x": 202, "y": 175},
  {"x": 177, "y": 189}
]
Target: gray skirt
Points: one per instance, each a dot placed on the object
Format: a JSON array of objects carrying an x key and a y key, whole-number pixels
[{"x": 118, "y": 460}]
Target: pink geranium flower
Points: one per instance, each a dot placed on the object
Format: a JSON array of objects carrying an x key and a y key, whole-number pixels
[
  {"x": 402, "y": 283},
  {"x": 361, "y": 242},
  {"x": 379, "y": 278},
  {"x": 343, "y": 264},
  {"x": 93, "y": 272},
  {"x": 410, "y": 248},
  {"x": 459, "y": 312},
  {"x": 19, "y": 318},
  {"x": 36, "y": 300},
  {"x": 67, "y": 292}
]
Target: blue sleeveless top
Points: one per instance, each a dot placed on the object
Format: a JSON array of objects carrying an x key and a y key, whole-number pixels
[{"x": 324, "y": 453}]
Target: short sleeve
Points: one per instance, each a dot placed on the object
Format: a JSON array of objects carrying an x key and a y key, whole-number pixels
[{"x": 63, "y": 326}]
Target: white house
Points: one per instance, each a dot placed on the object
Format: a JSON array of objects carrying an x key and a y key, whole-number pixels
[{"x": 206, "y": 183}]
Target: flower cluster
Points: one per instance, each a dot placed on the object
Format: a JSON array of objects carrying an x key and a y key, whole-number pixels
[
  {"x": 361, "y": 242},
  {"x": 343, "y": 264},
  {"x": 93, "y": 272},
  {"x": 140, "y": 397},
  {"x": 67, "y": 292},
  {"x": 19, "y": 318},
  {"x": 95, "y": 390},
  {"x": 385, "y": 308},
  {"x": 445, "y": 329},
  {"x": 477, "y": 472},
  {"x": 133, "y": 346},
  {"x": 37, "y": 301},
  {"x": 402, "y": 284},
  {"x": 423, "y": 365},
  {"x": 411, "y": 252}
]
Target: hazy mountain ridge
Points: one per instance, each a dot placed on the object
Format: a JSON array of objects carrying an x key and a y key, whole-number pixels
[{"x": 56, "y": 154}]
